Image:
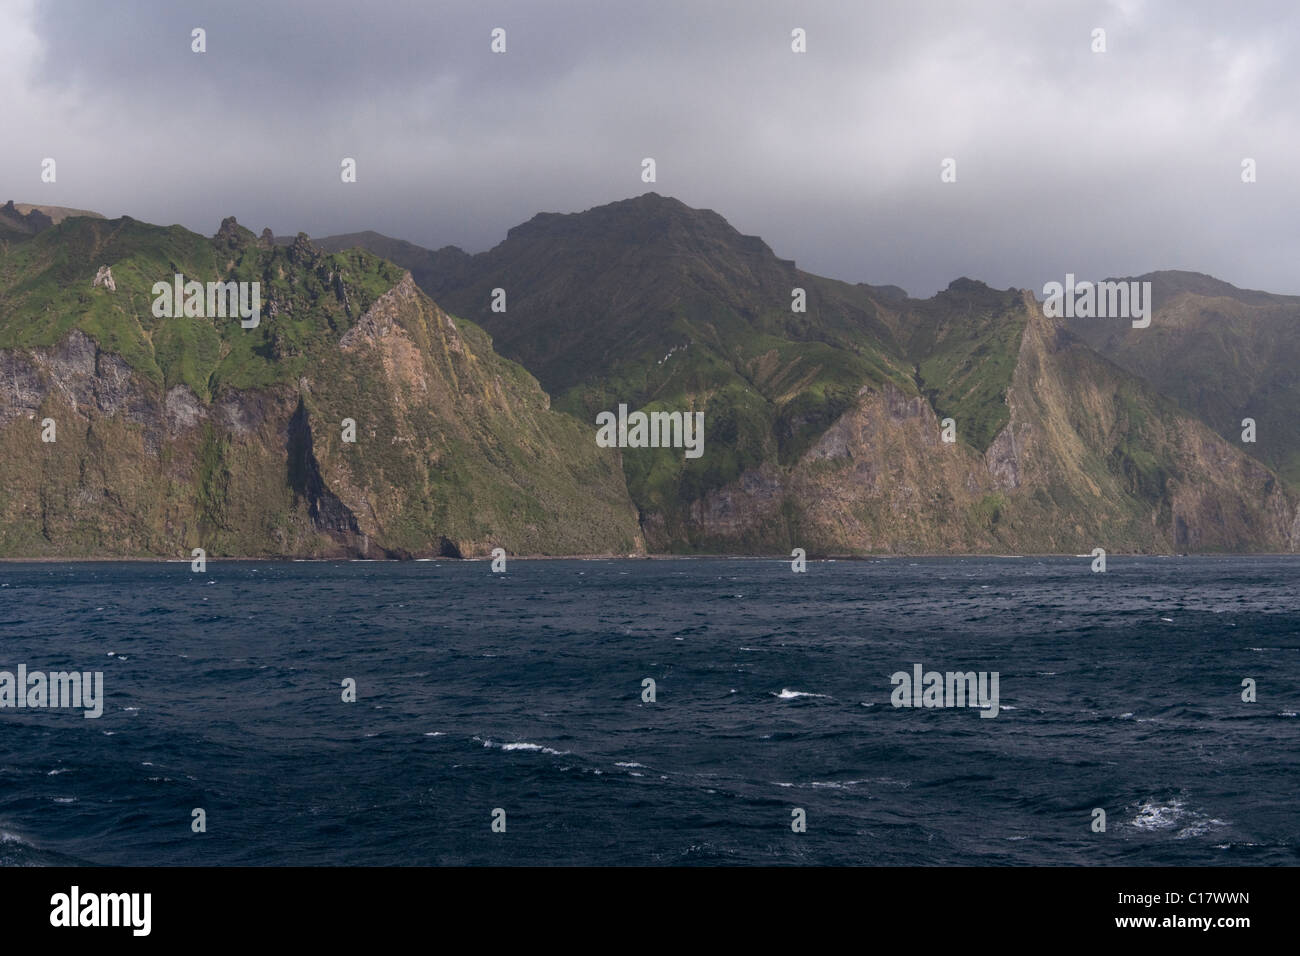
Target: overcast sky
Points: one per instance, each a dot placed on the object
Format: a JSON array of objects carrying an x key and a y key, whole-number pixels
[{"x": 1100, "y": 164}]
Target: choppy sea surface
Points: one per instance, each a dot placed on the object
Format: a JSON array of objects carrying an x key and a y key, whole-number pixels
[{"x": 523, "y": 691}]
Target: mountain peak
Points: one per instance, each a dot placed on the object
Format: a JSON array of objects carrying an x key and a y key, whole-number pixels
[
  {"x": 648, "y": 221},
  {"x": 233, "y": 234},
  {"x": 302, "y": 250},
  {"x": 16, "y": 222}
]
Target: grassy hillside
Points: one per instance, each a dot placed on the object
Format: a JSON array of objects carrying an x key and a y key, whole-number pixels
[
  {"x": 1223, "y": 354},
  {"x": 823, "y": 425},
  {"x": 178, "y": 432}
]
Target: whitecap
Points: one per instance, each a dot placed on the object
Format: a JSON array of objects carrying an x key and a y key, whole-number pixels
[
  {"x": 834, "y": 784},
  {"x": 1158, "y": 816},
  {"x": 524, "y": 746},
  {"x": 1200, "y": 828},
  {"x": 1153, "y": 816},
  {"x": 788, "y": 694}
]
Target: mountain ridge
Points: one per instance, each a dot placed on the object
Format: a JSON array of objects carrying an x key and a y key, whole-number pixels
[
  {"x": 959, "y": 351},
  {"x": 864, "y": 422},
  {"x": 176, "y": 433}
]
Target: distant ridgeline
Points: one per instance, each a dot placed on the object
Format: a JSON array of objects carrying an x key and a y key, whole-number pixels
[{"x": 161, "y": 391}]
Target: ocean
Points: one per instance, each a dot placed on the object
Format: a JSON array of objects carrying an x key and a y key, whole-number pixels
[{"x": 519, "y": 698}]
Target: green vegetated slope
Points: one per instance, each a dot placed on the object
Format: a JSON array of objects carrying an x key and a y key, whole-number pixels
[
  {"x": 175, "y": 433},
  {"x": 426, "y": 266},
  {"x": 823, "y": 427},
  {"x": 1224, "y": 354},
  {"x": 963, "y": 345},
  {"x": 663, "y": 307},
  {"x": 1093, "y": 454}
]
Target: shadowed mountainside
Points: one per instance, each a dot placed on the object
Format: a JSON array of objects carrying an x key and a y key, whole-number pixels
[
  {"x": 823, "y": 426},
  {"x": 827, "y": 405}
]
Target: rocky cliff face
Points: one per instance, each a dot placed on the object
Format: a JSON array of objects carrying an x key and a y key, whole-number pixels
[
  {"x": 1103, "y": 448},
  {"x": 18, "y": 224},
  {"x": 456, "y": 451},
  {"x": 359, "y": 418},
  {"x": 823, "y": 427},
  {"x": 1223, "y": 354},
  {"x": 1089, "y": 458}
]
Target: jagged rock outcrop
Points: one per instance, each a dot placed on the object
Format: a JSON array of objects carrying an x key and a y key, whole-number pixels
[
  {"x": 1089, "y": 458},
  {"x": 188, "y": 433},
  {"x": 16, "y": 224},
  {"x": 360, "y": 418},
  {"x": 823, "y": 427}
]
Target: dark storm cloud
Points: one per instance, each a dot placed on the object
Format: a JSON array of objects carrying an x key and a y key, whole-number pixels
[{"x": 1067, "y": 160}]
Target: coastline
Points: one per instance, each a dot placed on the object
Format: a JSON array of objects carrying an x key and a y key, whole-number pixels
[{"x": 883, "y": 556}]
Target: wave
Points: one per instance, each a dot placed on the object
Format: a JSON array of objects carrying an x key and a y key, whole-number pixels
[
  {"x": 1153, "y": 816},
  {"x": 521, "y": 745},
  {"x": 788, "y": 694}
]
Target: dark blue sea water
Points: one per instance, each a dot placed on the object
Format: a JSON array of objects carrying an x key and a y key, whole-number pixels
[{"x": 522, "y": 691}]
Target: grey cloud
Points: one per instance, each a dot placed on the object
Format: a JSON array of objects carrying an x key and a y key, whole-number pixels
[{"x": 1104, "y": 164}]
